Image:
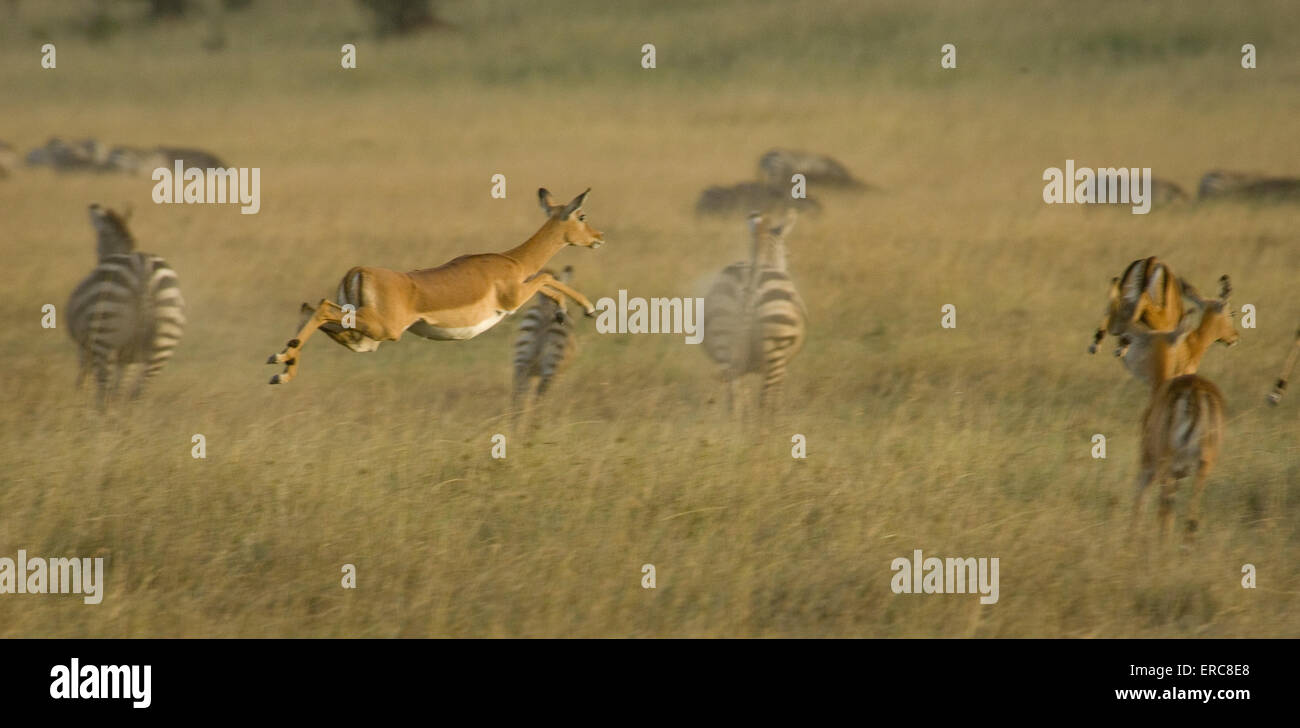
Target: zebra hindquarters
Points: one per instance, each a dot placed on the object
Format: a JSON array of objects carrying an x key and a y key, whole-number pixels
[
  {"x": 103, "y": 320},
  {"x": 728, "y": 328},
  {"x": 782, "y": 326}
]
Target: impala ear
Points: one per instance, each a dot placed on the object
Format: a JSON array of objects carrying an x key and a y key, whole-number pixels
[
  {"x": 575, "y": 204},
  {"x": 544, "y": 199}
]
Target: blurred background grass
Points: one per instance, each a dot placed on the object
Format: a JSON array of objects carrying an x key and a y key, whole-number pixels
[{"x": 965, "y": 442}]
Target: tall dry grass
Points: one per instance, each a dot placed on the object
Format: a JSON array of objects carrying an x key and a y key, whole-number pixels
[{"x": 965, "y": 442}]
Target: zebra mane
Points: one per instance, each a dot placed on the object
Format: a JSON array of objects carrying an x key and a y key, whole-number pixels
[{"x": 113, "y": 235}]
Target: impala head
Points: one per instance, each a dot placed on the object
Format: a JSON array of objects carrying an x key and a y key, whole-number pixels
[
  {"x": 1217, "y": 318},
  {"x": 110, "y": 228},
  {"x": 571, "y": 220}
]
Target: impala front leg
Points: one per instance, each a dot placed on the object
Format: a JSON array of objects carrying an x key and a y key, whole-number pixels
[
  {"x": 549, "y": 286},
  {"x": 581, "y": 300}
]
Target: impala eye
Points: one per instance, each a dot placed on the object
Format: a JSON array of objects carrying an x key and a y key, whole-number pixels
[{"x": 582, "y": 218}]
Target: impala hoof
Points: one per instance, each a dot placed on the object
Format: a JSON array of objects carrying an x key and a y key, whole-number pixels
[
  {"x": 1092, "y": 348},
  {"x": 275, "y": 379},
  {"x": 271, "y": 359}
]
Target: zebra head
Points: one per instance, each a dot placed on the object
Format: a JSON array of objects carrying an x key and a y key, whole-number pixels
[
  {"x": 768, "y": 234},
  {"x": 110, "y": 227}
]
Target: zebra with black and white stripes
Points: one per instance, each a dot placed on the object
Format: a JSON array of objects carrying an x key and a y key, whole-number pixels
[
  {"x": 545, "y": 344},
  {"x": 754, "y": 318},
  {"x": 127, "y": 313}
]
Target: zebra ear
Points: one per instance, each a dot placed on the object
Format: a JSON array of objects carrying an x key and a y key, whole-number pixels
[{"x": 786, "y": 224}]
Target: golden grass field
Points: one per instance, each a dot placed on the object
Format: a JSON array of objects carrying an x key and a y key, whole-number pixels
[{"x": 973, "y": 441}]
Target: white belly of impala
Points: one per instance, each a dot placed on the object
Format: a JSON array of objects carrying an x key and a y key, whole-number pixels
[{"x": 443, "y": 333}]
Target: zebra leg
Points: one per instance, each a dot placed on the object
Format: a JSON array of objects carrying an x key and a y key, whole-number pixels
[
  {"x": 119, "y": 375},
  {"x": 102, "y": 377},
  {"x": 519, "y": 393},
  {"x": 543, "y": 384},
  {"x": 83, "y": 368},
  {"x": 770, "y": 395},
  {"x": 145, "y": 374}
]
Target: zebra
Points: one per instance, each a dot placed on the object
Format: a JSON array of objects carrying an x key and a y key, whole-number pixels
[
  {"x": 778, "y": 165},
  {"x": 1222, "y": 184},
  {"x": 127, "y": 312},
  {"x": 754, "y": 318},
  {"x": 136, "y": 160},
  {"x": 746, "y": 196},
  {"x": 545, "y": 344},
  {"x": 64, "y": 157}
]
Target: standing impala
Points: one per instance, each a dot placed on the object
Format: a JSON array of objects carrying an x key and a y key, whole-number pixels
[
  {"x": 1182, "y": 428},
  {"x": 458, "y": 300}
]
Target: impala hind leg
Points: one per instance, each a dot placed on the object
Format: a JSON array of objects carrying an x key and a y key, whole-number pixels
[
  {"x": 327, "y": 312},
  {"x": 1168, "y": 488},
  {"x": 351, "y": 338},
  {"x": 1194, "y": 507},
  {"x": 1145, "y": 476}
]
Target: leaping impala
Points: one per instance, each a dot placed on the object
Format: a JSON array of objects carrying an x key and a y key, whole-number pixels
[
  {"x": 458, "y": 300},
  {"x": 1149, "y": 294}
]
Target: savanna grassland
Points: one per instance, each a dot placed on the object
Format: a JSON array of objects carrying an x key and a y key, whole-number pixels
[{"x": 973, "y": 441}]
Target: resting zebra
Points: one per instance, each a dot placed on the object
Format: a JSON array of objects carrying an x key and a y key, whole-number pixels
[
  {"x": 127, "y": 312},
  {"x": 778, "y": 165},
  {"x": 545, "y": 344},
  {"x": 754, "y": 319},
  {"x": 740, "y": 198},
  {"x": 1248, "y": 186}
]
